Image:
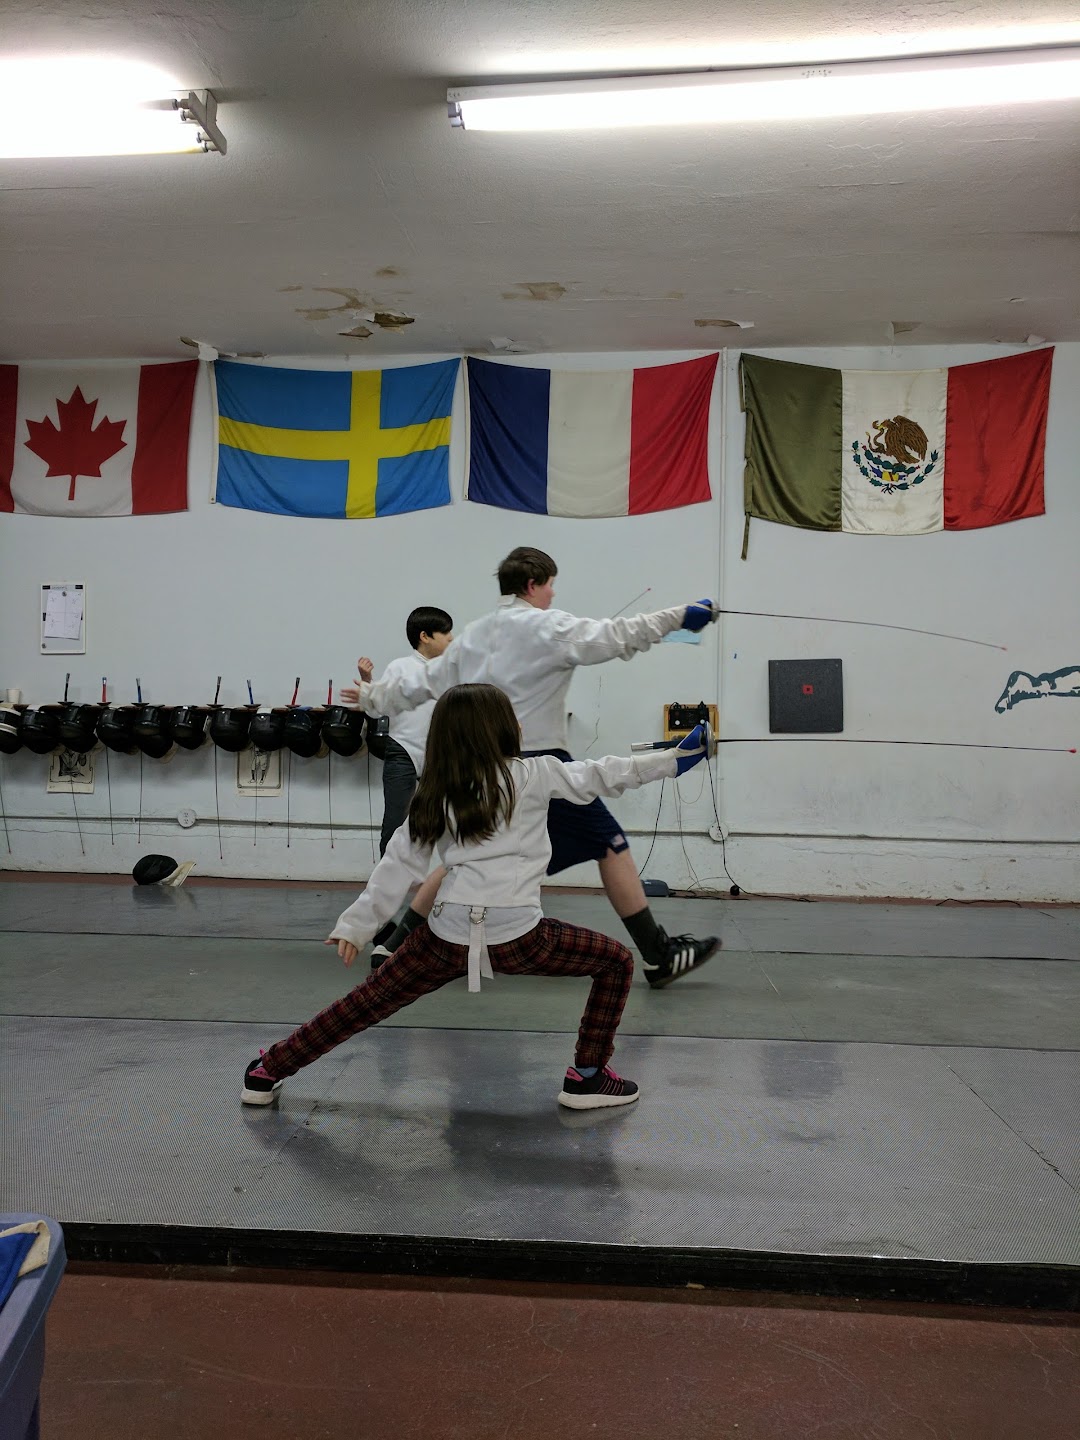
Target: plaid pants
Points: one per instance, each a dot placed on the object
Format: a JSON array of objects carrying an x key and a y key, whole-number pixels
[{"x": 423, "y": 963}]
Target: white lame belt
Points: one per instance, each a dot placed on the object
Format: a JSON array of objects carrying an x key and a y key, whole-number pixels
[{"x": 479, "y": 962}]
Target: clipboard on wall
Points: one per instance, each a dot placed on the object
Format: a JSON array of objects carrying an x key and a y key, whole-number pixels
[{"x": 63, "y": 618}]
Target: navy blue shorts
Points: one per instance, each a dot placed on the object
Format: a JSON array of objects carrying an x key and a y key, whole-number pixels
[{"x": 579, "y": 833}]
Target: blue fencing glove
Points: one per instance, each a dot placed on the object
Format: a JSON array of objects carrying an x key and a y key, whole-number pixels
[
  {"x": 691, "y": 750},
  {"x": 698, "y": 615}
]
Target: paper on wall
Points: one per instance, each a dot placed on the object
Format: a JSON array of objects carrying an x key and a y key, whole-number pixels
[{"x": 63, "y": 614}]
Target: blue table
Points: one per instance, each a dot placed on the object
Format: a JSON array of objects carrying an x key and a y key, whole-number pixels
[{"x": 22, "y": 1336}]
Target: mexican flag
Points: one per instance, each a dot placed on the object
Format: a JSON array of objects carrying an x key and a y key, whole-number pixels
[{"x": 895, "y": 452}]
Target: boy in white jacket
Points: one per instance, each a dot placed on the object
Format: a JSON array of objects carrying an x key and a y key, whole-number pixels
[
  {"x": 429, "y": 631},
  {"x": 484, "y": 809}
]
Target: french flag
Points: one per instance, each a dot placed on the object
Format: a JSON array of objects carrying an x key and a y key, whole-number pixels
[{"x": 589, "y": 443}]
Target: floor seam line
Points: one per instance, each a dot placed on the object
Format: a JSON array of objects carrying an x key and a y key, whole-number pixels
[{"x": 1013, "y": 1131}]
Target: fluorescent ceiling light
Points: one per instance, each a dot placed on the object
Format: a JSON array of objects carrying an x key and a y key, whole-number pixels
[
  {"x": 720, "y": 52},
  {"x": 87, "y": 105},
  {"x": 867, "y": 87}
]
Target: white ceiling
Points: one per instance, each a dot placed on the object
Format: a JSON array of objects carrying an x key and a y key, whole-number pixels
[{"x": 345, "y": 186}]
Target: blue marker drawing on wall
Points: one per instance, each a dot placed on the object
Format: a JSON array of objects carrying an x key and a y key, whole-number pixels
[{"x": 1023, "y": 686}]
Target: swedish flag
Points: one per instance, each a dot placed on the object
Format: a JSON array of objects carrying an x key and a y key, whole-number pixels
[{"x": 334, "y": 443}]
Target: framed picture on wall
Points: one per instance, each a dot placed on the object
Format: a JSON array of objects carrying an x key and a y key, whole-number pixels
[
  {"x": 258, "y": 772},
  {"x": 71, "y": 773}
]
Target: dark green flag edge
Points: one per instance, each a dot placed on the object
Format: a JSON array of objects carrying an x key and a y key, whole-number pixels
[{"x": 792, "y": 449}]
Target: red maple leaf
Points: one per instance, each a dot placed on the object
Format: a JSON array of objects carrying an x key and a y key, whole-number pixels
[{"x": 75, "y": 447}]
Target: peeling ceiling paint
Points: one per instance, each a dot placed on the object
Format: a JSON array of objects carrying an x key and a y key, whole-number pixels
[
  {"x": 350, "y": 301},
  {"x": 536, "y": 290},
  {"x": 342, "y": 168}
]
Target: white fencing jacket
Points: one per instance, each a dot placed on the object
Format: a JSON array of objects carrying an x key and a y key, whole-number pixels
[
  {"x": 492, "y": 887},
  {"x": 531, "y": 654},
  {"x": 410, "y": 727}
]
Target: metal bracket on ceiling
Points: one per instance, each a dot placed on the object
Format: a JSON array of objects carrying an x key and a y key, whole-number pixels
[{"x": 199, "y": 107}]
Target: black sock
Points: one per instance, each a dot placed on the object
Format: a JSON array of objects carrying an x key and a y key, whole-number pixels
[
  {"x": 382, "y": 935},
  {"x": 408, "y": 922},
  {"x": 649, "y": 937}
]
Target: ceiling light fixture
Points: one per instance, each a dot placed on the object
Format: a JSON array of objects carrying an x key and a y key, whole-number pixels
[
  {"x": 75, "y": 106},
  {"x": 864, "y": 87}
]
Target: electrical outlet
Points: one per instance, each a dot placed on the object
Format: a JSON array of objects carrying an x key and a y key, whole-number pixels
[{"x": 716, "y": 834}]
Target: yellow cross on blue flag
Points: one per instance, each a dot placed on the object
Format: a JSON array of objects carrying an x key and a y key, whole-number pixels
[{"x": 339, "y": 444}]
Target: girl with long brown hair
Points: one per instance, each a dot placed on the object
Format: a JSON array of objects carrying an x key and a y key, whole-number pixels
[{"x": 483, "y": 809}]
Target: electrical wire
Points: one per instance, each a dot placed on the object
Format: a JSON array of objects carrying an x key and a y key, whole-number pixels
[
  {"x": 155, "y": 825},
  {"x": 682, "y": 836},
  {"x": 217, "y": 809},
  {"x": 78, "y": 825},
  {"x": 108, "y": 788},
  {"x": 656, "y": 829},
  {"x": 951, "y": 900},
  {"x": 288, "y": 804},
  {"x": 330, "y": 794},
  {"x": 736, "y": 888},
  {"x": 3, "y": 812},
  {"x": 599, "y": 698}
]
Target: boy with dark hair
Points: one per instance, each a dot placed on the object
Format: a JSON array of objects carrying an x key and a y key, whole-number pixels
[
  {"x": 429, "y": 632},
  {"x": 531, "y": 651}
]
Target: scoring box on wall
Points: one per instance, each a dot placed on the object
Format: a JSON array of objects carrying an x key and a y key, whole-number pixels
[{"x": 806, "y": 697}]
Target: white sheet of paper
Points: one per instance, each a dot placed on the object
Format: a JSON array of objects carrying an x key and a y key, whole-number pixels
[{"x": 63, "y": 614}]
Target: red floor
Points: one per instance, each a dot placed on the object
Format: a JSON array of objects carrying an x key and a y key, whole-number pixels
[{"x": 205, "y": 1354}]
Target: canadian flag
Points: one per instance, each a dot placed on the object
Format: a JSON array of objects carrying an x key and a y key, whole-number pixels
[{"x": 95, "y": 441}]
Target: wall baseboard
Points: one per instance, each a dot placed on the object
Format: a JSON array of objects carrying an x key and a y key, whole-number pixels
[{"x": 824, "y": 867}]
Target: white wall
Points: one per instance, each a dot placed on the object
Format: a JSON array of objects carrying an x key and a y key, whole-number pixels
[{"x": 179, "y": 599}]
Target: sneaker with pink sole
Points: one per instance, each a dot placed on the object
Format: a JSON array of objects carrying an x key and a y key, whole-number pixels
[
  {"x": 597, "y": 1092},
  {"x": 259, "y": 1087}
]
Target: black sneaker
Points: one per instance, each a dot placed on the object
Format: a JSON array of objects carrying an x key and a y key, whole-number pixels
[
  {"x": 382, "y": 936},
  {"x": 259, "y": 1087},
  {"x": 379, "y": 956},
  {"x": 601, "y": 1090},
  {"x": 679, "y": 956}
]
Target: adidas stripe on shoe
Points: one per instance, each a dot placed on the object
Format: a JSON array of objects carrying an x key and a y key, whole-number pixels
[
  {"x": 680, "y": 955},
  {"x": 598, "y": 1092}
]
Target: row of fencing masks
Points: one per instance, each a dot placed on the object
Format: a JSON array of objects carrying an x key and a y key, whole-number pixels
[
  {"x": 306, "y": 732},
  {"x": 157, "y": 730}
]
